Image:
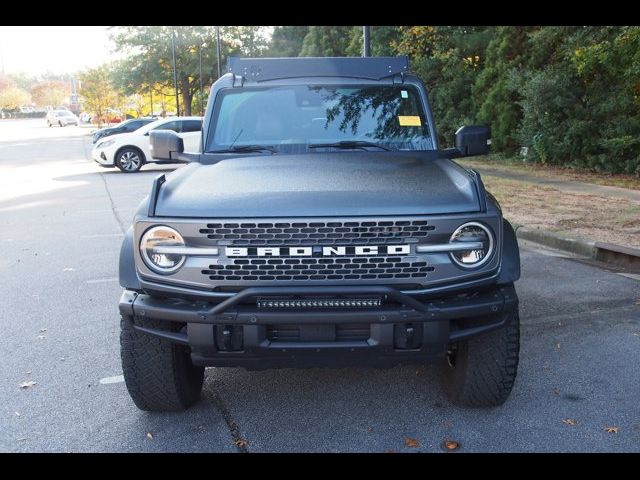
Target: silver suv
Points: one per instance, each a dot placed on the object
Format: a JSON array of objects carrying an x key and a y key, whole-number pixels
[{"x": 61, "y": 118}]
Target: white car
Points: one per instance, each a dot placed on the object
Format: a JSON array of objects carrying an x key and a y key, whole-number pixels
[
  {"x": 62, "y": 118},
  {"x": 129, "y": 151}
]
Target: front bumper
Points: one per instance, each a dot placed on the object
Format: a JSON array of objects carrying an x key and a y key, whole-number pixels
[
  {"x": 103, "y": 156},
  {"x": 236, "y": 332}
]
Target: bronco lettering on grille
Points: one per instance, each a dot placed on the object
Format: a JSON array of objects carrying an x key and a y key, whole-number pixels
[{"x": 317, "y": 251}]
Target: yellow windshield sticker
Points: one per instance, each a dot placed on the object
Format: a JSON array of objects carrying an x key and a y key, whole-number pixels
[{"x": 409, "y": 121}]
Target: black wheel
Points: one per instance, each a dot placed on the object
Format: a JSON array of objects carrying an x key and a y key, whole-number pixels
[
  {"x": 49, "y": 123},
  {"x": 129, "y": 159},
  {"x": 60, "y": 123},
  {"x": 480, "y": 372},
  {"x": 159, "y": 374}
]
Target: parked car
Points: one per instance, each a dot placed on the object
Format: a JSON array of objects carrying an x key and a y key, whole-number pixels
[
  {"x": 62, "y": 118},
  {"x": 129, "y": 151},
  {"x": 124, "y": 127}
]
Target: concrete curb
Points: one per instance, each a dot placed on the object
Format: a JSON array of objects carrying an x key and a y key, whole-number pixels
[{"x": 615, "y": 254}]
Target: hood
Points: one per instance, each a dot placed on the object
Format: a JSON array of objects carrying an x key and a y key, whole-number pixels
[
  {"x": 115, "y": 136},
  {"x": 326, "y": 184}
]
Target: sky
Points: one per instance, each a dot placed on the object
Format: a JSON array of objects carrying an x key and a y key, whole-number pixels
[{"x": 35, "y": 50}]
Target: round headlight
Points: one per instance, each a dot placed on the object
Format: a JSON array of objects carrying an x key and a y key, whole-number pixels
[
  {"x": 480, "y": 236},
  {"x": 155, "y": 256}
]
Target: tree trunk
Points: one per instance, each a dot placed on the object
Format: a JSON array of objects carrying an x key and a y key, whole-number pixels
[{"x": 186, "y": 97}]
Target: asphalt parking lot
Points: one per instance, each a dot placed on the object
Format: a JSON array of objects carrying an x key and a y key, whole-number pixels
[{"x": 62, "y": 221}]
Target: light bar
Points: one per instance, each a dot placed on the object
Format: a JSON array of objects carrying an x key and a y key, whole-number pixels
[{"x": 320, "y": 303}]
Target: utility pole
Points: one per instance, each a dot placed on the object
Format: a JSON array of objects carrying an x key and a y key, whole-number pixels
[
  {"x": 218, "y": 50},
  {"x": 366, "y": 41},
  {"x": 175, "y": 72}
]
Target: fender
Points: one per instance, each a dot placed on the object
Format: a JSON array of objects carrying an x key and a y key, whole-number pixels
[
  {"x": 510, "y": 269},
  {"x": 127, "y": 269}
]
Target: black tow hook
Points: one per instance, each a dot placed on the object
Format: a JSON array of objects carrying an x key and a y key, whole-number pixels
[
  {"x": 407, "y": 335},
  {"x": 229, "y": 338}
]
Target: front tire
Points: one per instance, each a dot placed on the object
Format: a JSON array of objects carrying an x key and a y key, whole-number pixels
[
  {"x": 480, "y": 372},
  {"x": 159, "y": 374},
  {"x": 129, "y": 160},
  {"x": 60, "y": 123}
]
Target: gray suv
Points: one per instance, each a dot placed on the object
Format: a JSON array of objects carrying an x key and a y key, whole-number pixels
[{"x": 320, "y": 224}]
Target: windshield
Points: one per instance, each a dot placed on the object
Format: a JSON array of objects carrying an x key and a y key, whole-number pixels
[
  {"x": 299, "y": 118},
  {"x": 64, "y": 113}
]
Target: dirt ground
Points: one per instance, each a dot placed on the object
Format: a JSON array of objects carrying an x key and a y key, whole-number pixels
[
  {"x": 591, "y": 217},
  {"x": 544, "y": 171}
]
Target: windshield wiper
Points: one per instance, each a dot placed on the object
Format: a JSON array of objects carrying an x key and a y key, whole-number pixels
[
  {"x": 245, "y": 149},
  {"x": 349, "y": 144}
]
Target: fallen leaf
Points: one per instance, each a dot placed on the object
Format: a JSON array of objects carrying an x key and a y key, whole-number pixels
[
  {"x": 419, "y": 371},
  {"x": 569, "y": 421},
  {"x": 240, "y": 443},
  {"x": 369, "y": 429},
  {"x": 451, "y": 445},
  {"x": 411, "y": 442},
  {"x": 42, "y": 330},
  {"x": 28, "y": 384},
  {"x": 17, "y": 414},
  {"x": 149, "y": 436},
  {"x": 611, "y": 429}
]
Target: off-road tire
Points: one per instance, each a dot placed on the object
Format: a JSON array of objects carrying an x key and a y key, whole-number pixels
[
  {"x": 482, "y": 370},
  {"x": 158, "y": 373}
]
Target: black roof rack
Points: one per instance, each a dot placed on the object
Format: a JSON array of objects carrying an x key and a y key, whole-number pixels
[{"x": 263, "y": 69}]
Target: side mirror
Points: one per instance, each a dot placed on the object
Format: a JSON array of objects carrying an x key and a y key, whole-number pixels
[
  {"x": 165, "y": 144},
  {"x": 473, "y": 140}
]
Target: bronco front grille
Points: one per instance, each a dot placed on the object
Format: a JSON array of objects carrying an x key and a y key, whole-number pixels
[
  {"x": 314, "y": 233},
  {"x": 343, "y": 268}
]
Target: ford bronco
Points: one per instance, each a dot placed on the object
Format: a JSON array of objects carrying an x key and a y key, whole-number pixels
[{"x": 319, "y": 224}]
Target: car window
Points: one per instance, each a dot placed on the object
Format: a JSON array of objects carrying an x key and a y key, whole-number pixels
[
  {"x": 192, "y": 125},
  {"x": 174, "y": 125},
  {"x": 130, "y": 127}
]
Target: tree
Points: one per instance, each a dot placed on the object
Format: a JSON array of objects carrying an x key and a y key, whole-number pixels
[
  {"x": 50, "y": 92},
  {"x": 287, "y": 41},
  {"x": 382, "y": 41},
  {"x": 6, "y": 82},
  {"x": 448, "y": 60},
  {"x": 14, "y": 97},
  {"x": 326, "y": 41},
  {"x": 149, "y": 56},
  {"x": 98, "y": 91},
  {"x": 23, "y": 80},
  {"x": 497, "y": 103}
]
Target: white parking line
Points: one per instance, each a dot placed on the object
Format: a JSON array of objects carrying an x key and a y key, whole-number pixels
[
  {"x": 108, "y": 380},
  {"x": 103, "y": 280}
]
